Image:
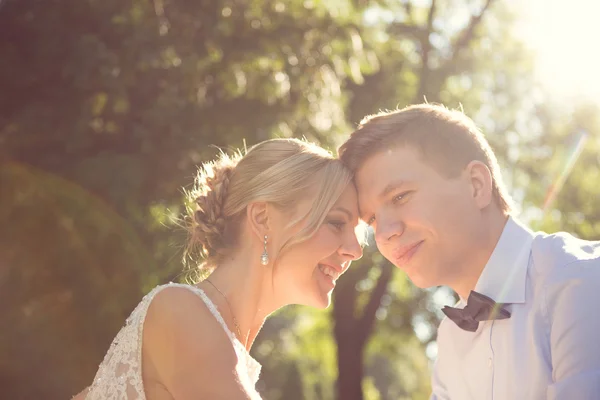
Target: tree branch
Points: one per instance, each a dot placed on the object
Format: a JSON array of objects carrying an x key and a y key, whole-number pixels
[
  {"x": 409, "y": 10},
  {"x": 467, "y": 35},
  {"x": 415, "y": 31},
  {"x": 465, "y": 39},
  {"x": 366, "y": 321},
  {"x": 425, "y": 50}
]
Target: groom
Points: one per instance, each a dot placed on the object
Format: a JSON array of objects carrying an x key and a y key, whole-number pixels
[{"x": 527, "y": 325}]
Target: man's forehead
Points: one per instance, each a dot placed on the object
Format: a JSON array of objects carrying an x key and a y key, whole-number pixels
[
  {"x": 372, "y": 178},
  {"x": 378, "y": 177},
  {"x": 364, "y": 182},
  {"x": 366, "y": 193}
]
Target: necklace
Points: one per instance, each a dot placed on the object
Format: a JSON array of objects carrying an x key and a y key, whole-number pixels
[{"x": 237, "y": 326}]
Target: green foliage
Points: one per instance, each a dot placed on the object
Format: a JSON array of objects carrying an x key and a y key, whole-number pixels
[{"x": 63, "y": 256}]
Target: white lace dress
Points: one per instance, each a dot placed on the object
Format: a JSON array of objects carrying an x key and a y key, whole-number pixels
[{"x": 119, "y": 376}]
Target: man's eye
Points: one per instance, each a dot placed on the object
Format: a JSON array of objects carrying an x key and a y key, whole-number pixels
[
  {"x": 399, "y": 197},
  {"x": 371, "y": 220}
]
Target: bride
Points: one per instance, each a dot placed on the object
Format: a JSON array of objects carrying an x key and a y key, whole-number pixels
[{"x": 276, "y": 226}]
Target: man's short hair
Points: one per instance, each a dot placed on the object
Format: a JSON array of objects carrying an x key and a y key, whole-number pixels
[{"x": 447, "y": 140}]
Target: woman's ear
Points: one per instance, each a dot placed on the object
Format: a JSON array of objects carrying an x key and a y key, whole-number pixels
[
  {"x": 257, "y": 215},
  {"x": 480, "y": 179}
]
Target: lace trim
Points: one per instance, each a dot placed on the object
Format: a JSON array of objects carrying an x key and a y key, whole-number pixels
[{"x": 119, "y": 375}]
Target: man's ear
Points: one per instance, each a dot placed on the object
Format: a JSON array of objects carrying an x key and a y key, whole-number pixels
[
  {"x": 257, "y": 215},
  {"x": 480, "y": 179}
]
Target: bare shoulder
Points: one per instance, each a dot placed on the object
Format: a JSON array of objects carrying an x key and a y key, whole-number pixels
[
  {"x": 179, "y": 313},
  {"x": 181, "y": 304},
  {"x": 185, "y": 350},
  {"x": 81, "y": 395}
]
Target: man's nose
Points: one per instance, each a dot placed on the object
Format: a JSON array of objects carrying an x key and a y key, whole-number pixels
[{"x": 386, "y": 229}]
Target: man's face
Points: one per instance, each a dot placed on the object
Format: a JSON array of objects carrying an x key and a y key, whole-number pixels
[{"x": 425, "y": 223}]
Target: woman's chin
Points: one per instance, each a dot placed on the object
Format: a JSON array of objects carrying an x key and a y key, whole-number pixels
[
  {"x": 324, "y": 305},
  {"x": 322, "y": 300},
  {"x": 316, "y": 295},
  {"x": 323, "y": 289}
]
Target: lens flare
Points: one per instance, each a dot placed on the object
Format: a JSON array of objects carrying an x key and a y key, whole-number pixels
[{"x": 558, "y": 183}]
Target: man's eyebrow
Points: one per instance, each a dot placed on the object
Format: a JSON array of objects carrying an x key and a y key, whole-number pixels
[{"x": 390, "y": 187}]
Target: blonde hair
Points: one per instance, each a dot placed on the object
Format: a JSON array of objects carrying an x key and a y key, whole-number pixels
[
  {"x": 277, "y": 171},
  {"x": 447, "y": 139}
]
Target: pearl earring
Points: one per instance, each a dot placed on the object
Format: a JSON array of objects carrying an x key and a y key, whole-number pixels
[{"x": 264, "y": 258}]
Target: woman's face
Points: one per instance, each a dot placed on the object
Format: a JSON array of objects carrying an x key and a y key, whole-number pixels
[{"x": 306, "y": 273}]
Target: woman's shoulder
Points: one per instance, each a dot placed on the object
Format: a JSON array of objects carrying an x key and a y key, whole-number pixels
[
  {"x": 184, "y": 344},
  {"x": 183, "y": 311},
  {"x": 183, "y": 303}
]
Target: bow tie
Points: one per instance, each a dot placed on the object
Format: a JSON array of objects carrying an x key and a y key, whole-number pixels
[{"x": 479, "y": 308}]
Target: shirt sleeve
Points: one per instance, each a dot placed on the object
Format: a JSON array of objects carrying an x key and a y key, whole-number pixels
[{"x": 572, "y": 315}]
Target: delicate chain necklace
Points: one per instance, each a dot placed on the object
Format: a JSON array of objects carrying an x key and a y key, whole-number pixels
[{"x": 237, "y": 326}]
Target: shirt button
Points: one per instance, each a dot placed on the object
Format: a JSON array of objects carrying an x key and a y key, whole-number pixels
[{"x": 490, "y": 362}]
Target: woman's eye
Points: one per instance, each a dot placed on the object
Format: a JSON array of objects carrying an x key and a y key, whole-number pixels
[{"x": 337, "y": 224}]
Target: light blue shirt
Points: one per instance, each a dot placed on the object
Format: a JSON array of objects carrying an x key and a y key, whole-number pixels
[{"x": 550, "y": 346}]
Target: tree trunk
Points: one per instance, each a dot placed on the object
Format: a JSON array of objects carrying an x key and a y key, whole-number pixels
[
  {"x": 353, "y": 327},
  {"x": 350, "y": 368}
]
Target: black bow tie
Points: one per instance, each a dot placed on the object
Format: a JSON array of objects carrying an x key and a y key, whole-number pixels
[{"x": 479, "y": 308}]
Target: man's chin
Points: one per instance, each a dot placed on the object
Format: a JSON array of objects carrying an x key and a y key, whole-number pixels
[{"x": 421, "y": 281}]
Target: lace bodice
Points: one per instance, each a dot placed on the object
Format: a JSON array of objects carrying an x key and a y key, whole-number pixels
[{"x": 119, "y": 376}]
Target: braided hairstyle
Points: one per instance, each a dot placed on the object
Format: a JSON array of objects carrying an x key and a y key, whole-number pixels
[{"x": 209, "y": 223}]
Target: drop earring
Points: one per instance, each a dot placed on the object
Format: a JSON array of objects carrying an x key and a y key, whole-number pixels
[{"x": 264, "y": 258}]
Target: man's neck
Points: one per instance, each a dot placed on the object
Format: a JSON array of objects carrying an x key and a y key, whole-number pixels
[{"x": 490, "y": 235}]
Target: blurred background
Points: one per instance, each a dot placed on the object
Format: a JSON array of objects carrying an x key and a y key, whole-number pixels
[{"x": 107, "y": 107}]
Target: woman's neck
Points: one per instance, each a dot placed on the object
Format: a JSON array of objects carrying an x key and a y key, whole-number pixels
[{"x": 242, "y": 291}]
